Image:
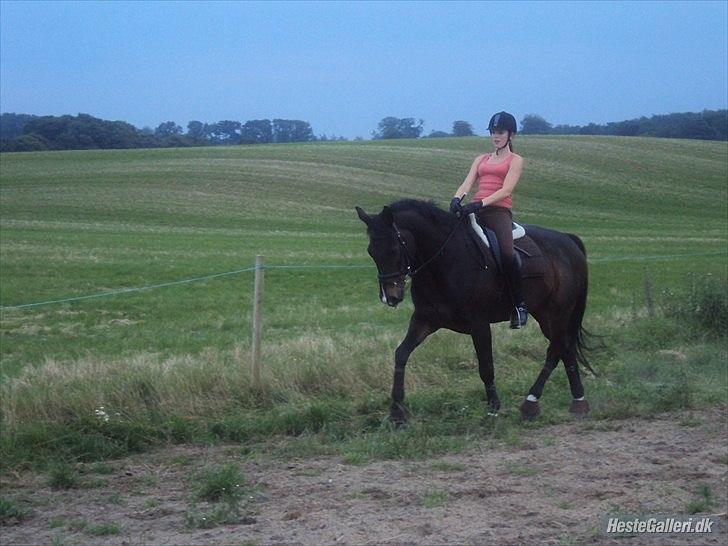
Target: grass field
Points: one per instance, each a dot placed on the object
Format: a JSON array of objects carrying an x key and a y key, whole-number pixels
[{"x": 171, "y": 363}]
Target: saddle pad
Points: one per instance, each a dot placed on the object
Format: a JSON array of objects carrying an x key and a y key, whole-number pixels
[{"x": 518, "y": 230}]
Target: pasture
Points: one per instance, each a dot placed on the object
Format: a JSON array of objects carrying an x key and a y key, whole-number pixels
[{"x": 104, "y": 377}]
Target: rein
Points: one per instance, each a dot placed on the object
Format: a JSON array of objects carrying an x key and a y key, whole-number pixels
[{"x": 408, "y": 271}]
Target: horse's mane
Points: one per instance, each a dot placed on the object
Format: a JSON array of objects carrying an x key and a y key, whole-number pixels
[{"x": 428, "y": 210}]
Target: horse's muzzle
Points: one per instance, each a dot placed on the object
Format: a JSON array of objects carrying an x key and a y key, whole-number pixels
[
  {"x": 392, "y": 294},
  {"x": 394, "y": 302}
]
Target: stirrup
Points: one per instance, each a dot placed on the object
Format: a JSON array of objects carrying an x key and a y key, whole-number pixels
[{"x": 519, "y": 317}]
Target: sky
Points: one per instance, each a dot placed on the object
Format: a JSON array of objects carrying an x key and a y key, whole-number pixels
[{"x": 344, "y": 66}]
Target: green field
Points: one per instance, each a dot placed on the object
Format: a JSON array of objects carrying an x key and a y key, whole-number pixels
[{"x": 650, "y": 212}]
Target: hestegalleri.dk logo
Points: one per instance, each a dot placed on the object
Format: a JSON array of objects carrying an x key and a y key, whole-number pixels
[{"x": 660, "y": 524}]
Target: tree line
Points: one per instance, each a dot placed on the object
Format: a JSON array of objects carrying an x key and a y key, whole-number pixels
[
  {"x": 23, "y": 132},
  {"x": 705, "y": 125}
]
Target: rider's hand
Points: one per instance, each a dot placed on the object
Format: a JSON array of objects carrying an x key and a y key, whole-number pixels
[
  {"x": 475, "y": 206},
  {"x": 455, "y": 206}
]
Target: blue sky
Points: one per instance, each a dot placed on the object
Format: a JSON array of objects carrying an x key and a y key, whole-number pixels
[{"x": 343, "y": 66}]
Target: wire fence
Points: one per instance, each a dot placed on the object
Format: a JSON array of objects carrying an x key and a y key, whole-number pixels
[{"x": 598, "y": 260}]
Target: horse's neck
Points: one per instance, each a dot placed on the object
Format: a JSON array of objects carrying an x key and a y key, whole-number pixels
[
  {"x": 428, "y": 238},
  {"x": 450, "y": 247}
]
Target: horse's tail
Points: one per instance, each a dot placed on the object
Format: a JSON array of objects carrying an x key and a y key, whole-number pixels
[{"x": 577, "y": 332}]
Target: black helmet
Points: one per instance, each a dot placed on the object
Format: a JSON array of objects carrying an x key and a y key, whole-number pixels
[{"x": 503, "y": 121}]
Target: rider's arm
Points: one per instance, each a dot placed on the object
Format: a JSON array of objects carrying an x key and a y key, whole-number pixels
[
  {"x": 509, "y": 183},
  {"x": 470, "y": 178}
]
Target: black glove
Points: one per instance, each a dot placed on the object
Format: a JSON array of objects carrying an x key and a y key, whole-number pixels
[
  {"x": 455, "y": 206},
  {"x": 475, "y": 206}
]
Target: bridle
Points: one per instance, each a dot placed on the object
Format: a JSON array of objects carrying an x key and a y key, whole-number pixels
[{"x": 406, "y": 258}]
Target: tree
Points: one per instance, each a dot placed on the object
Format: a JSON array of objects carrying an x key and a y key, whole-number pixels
[
  {"x": 533, "y": 124},
  {"x": 12, "y": 125},
  {"x": 438, "y": 134},
  {"x": 24, "y": 143},
  {"x": 256, "y": 131},
  {"x": 168, "y": 128},
  {"x": 292, "y": 130},
  {"x": 224, "y": 132},
  {"x": 196, "y": 130},
  {"x": 391, "y": 127},
  {"x": 462, "y": 128},
  {"x": 227, "y": 131},
  {"x": 85, "y": 132}
]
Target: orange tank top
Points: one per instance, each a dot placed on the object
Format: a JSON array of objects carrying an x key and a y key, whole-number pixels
[{"x": 491, "y": 178}]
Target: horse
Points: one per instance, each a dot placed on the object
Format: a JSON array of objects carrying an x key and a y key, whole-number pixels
[{"x": 457, "y": 286}]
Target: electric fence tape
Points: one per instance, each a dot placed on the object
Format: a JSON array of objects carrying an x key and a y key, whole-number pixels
[{"x": 605, "y": 259}]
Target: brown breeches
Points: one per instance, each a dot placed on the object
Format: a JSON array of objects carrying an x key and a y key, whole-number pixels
[{"x": 500, "y": 220}]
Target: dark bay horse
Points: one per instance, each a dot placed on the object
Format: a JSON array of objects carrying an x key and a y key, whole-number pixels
[{"x": 457, "y": 286}]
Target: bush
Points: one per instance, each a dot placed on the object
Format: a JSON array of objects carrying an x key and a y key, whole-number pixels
[{"x": 701, "y": 305}]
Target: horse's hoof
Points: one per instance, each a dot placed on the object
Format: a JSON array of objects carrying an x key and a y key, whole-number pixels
[
  {"x": 529, "y": 410},
  {"x": 579, "y": 408}
]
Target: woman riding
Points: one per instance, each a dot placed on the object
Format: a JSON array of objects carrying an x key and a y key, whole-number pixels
[{"x": 497, "y": 174}]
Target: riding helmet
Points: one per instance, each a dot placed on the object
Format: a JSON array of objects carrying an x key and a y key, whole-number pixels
[{"x": 503, "y": 121}]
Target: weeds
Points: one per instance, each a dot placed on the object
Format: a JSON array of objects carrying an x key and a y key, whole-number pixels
[
  {"x": 62, "y": 475},
  {"x": 435, "y": 498},
  {"x": 101, "y": 468},
  {"x": 442, "y": 466},
  {"x": 703, "y": 502},
  {"x": 10, "y": 512},
  {"x": 219, "y": 483},
  {"x": 104, "y": 529},
  {"x": 223, "y": 487},
  {"x": 701, "y": 304},
  {"x": 519, "y": 469}
]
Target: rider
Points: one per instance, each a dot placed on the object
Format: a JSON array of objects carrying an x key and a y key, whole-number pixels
[{"x": 497, "y": 174}]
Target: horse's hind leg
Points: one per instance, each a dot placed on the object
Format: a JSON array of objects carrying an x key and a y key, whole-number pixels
[
  {"x": 579, "y": 406},
  {"x": 530, "y": 408},
  {"x": 416, "y": 333}
]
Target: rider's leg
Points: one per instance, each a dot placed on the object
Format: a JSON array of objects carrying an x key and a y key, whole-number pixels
[{"x": 500, "y": 220}]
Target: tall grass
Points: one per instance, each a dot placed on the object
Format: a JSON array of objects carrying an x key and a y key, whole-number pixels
[{"x": 700, "y": 304}]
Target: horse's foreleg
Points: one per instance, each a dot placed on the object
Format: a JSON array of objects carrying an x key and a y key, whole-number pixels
[
  {"x": 530, "y": 408},
  {"x": 417, "y": 332},
  {"x": 484, "y": 349}
]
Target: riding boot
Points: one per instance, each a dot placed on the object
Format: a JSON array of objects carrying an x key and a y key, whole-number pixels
[{"x": 519, "y": 313}]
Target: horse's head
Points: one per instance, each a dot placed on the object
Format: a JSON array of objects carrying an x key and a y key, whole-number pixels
[{"x": 389, "y": 252}]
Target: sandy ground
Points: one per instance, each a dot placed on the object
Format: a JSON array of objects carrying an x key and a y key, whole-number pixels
[{"x": 554, "y": 487}]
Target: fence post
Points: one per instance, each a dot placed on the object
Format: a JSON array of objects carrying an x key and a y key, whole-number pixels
[{"x": 257, "y": 304}]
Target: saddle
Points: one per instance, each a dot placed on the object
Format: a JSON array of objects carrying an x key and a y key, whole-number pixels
[{"x": 527, "y": 251}]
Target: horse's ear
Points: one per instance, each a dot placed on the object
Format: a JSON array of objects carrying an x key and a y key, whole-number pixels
[
  {"x": 388, "y": 216},
  {"x": 363, "y": 216}
]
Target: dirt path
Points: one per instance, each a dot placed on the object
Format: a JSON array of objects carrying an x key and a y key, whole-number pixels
[{"x": 554, "y": 487}]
